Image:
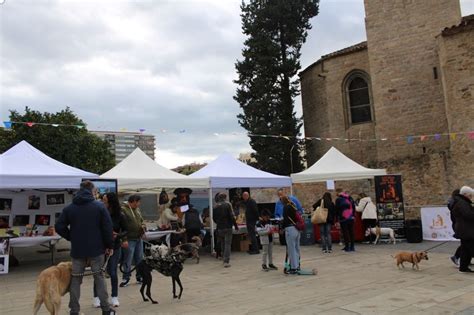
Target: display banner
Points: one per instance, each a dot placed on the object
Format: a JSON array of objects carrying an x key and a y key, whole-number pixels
[
  {"x": 389, "y": 201},
  {"x": 436, "y": 224}
]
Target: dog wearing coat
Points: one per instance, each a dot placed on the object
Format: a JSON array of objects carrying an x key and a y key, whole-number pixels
[
  {"x": 378, "y": 231},
  {"x": 413, "y": 258},
  {"x": 52, "y": 284}
]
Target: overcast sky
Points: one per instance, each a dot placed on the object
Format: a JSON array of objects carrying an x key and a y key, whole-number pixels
[{"x": 164, "y": 66}]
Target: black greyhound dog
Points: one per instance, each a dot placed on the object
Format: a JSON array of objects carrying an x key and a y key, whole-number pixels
[{"x": 169, "y": 265}]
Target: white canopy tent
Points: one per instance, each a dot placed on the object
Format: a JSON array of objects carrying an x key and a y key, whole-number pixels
[
  {"x": 228, "y": 172},
  {"x": 138, "y": 172},
  {"x": 25, "y": 167},
  {"x": 334, "y": 165}
]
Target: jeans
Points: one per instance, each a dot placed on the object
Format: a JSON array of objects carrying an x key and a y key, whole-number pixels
[
  {"x": 225, "y": 237},
  {"x": 267, "y": 254},
  {"x": 134, "y": 252},
  {"x": 253, "y": 236},
  {"x": 112, "y": 271},
  {"x": 293, "y": 236},
  {"x": 78, "y": 266},
  {"x": 325, "y": 231},
  {"x": 347, "y": 228}
]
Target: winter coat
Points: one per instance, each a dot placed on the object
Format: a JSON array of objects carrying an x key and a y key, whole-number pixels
[
  {"x": 86, "y": 223},
  {"x": 166, "y": 217},
  {"x": 223, "y": 215},
  {"x": 368, "y": 209},
  {"x": 119, "y": 226},
  {"x": 331, "y": 210},
  {"x": 134, "y": 222},
  {"x": 289, "y": 216},
  {"x": 463, "y": 212},
  {"x": 192, "y": 219},
  {"x": 344, "y": 202},
  {"x": 251, "y": 211}
]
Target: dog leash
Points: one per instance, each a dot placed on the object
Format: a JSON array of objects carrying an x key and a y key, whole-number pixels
[
  {"x": 433, "y": 247},
  {"x": 101, "y": 270}
]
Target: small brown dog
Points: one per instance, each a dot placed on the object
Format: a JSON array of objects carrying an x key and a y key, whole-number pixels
[
  {"x": 414, "y": 258},
  {"x": 52, "y": 284},
  {"x": 191, "y": 250}
]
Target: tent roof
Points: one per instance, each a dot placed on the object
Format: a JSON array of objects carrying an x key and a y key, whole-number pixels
[
  {"x": 23, "y": 166},
  {"x": 335, "y": 166},
  {"x": 228, "y": 172},
  {"x": 139, "y": 172}
]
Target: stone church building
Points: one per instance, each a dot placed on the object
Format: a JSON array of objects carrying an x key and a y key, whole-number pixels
[{"x": 404, "y": 98}]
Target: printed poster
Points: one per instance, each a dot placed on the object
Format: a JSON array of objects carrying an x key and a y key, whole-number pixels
[
  {"x": 389, "y": 201},
  {"x": 436, "y": 224}
]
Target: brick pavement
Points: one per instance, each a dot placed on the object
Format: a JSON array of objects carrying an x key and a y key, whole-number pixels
[{"x": 364, "y": 282}]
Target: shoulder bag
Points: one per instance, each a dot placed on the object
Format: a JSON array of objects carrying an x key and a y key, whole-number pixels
[{"x": 320, "y": 215}]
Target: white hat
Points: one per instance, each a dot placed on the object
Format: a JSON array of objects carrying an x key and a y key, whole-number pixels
[{"x": 466, "y": 190}]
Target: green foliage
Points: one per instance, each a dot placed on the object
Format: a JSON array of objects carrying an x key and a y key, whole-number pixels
[
  {"x": 267, "y": 83},
  {"x": 70, "y": 145}
]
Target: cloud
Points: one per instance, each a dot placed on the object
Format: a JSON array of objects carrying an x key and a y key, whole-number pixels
[{"x": 146, "y": 64}]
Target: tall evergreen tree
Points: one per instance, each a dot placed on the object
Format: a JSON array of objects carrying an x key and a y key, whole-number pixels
[
  {"x": 70, "y": 145},
  {"x": 267, "y": 83}
]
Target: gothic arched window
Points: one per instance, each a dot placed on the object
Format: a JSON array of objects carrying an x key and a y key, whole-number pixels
[{"x": 358, "y": 98}]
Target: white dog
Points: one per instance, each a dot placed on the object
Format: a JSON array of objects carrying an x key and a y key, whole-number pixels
[
  {"x": 159, "y": 251},
  {"x": 378, "y": 231}
]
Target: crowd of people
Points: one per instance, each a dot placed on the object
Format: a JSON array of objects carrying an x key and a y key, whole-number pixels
[{"x": 96, "y": 227}]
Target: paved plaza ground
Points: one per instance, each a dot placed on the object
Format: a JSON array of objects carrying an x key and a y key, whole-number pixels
[{"x": 364, "y": 282}]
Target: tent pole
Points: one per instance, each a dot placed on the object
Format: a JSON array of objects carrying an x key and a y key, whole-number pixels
[{"x": 211, "y": 214}]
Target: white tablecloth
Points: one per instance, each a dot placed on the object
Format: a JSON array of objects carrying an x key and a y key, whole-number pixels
[
  {"x": 25, "y": 241},
  {"x": 150, "y": 236}
]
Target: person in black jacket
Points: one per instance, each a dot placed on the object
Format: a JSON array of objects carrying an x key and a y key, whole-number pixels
[
  {"x": 192, "y": 223},
  {"x": 223, "y": 215},
  {"x": 463, "y": 213},
  {"x": 251, "y": 217},
  {"x": 86, "y": 223},
  {"x": 451, "y": 201},
  {"x": 325, "y": 228},
  {"x": 345, "y": 214},
  {"x": 119, "y": 236},
  {"x": 292, "y": 234}
]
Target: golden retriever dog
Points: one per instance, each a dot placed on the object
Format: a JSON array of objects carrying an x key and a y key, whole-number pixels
[
  {"x": 52, "y": 284},
  {"x": 414, "y": 258}
]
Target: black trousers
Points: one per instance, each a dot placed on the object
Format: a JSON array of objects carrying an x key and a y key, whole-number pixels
[
  {"x": 347, "y": 228},
  {"x": 467, "y": 252},
  {"x": 252, "y": 236}
]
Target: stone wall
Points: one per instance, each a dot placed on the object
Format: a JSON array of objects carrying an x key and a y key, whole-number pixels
[
  {"x": 456, "y": 53},
  {"x": 402, "y": 50},
  {"x": 325, "y": 113}
]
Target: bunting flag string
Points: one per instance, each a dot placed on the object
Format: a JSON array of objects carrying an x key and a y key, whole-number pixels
[{"x": 410, "y": 139}]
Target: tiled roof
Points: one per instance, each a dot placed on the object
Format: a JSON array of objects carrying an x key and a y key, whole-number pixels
[
  {"x": 344, "y": 51},
  {"x": 467, "y": 23}
]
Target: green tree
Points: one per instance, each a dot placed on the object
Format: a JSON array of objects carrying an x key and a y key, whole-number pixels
[
  {"x": 73, "y": 146},
  {"x": 267, "y": 82}
]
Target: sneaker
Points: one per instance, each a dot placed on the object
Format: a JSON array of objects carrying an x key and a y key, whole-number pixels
[
  {"x": 272, "y": 267},
  {"x": 455, "y": 260},
  {"x": 139, "y": 281},
  {"x": 115, "y": 301},
  {"x": 96, "y": 302},
  {"x": 330, "y": 251},
  {"x": 226, "y": 265},
  {"x": 467, "y": 270},
  {"x": 292, "y": 272},
  {"x": 124, "y": 283},
  {"x": 265, "y": 268}
]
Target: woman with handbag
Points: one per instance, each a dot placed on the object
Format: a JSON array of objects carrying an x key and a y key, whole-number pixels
[
  {"x": 369, "y": 214},
  {"x": 323, "y": 216},
  {"x": 292, "y": 234}
]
